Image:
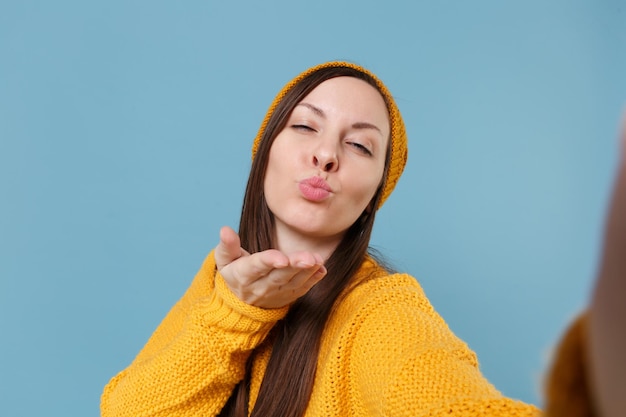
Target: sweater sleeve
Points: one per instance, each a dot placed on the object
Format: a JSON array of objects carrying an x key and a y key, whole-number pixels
[
  {"x": 196, "y": 356},
  {"x": 405, "y": 361}
]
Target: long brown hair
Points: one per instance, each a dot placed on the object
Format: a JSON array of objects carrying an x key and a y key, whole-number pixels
[{"x": 290, "y": 373}]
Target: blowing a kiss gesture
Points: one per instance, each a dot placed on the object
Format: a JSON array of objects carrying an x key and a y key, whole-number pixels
[{"x": 267, "y": 279}]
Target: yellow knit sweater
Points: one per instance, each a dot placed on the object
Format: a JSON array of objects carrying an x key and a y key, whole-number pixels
[{"x": 384, "y": 352}]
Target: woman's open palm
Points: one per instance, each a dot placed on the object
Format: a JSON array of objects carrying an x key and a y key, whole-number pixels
[{"x": 267, "y": 279}]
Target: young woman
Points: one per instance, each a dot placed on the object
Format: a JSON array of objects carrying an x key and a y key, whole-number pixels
[{"x": 291, "y": 316}]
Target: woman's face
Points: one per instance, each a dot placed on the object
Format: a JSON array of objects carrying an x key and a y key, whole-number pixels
[{"x": 327, "y": 163}]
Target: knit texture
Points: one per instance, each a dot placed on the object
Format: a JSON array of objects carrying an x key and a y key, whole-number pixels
[
  {"x": 398, "y": 137},
  {"x": 385, "y": 351}
]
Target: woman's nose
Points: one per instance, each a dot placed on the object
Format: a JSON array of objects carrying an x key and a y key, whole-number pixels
[{"x": 325, "y": 157}]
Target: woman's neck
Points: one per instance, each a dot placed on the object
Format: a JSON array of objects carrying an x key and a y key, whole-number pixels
[{"x": 289, "y": 241}]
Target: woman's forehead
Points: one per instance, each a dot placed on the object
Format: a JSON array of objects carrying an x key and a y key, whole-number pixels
[{"x": 350, "y": 98}]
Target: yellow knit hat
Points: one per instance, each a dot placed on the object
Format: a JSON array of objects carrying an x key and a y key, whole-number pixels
[{"x": 399, "y": 150}]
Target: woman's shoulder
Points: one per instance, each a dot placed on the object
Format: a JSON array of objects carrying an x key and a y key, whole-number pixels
[
  {"x": 387, "y": 315},
  {"x": 382, "y": 301},
  {"x": 374, "y": 285}
]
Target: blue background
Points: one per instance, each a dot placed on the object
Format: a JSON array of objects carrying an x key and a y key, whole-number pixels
[{"x": 125, "y": 130}]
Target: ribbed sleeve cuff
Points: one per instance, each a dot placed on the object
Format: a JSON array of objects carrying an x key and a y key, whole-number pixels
[
  {"x": 256, "y": 314},
  {"x": 249, "y": 324}
]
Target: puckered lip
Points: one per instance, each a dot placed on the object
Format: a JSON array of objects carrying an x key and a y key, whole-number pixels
[
  {"x": 316, "y": 182},
  {"x": 315, "y": 189}
]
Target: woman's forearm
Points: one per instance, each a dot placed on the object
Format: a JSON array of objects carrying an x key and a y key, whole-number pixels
[{"x": 607, "y": 331}]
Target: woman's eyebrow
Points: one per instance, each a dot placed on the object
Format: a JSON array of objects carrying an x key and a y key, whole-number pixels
[
  {"x": 357, "y": 125},
  {"x": 314, "y": 109},
  {"x": 365, "y": 125}
]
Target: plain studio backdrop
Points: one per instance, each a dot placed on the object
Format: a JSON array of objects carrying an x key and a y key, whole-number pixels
[{"x": 125, "y": 132}]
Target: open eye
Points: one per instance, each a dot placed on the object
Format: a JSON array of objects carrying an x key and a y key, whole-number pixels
[{"x": 360, "y": 148}]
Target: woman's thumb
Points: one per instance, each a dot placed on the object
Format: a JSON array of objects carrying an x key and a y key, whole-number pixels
[{"x": 229, "y": 248}]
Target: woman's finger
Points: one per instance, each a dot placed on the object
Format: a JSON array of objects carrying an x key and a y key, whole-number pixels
[
  {"x": 284, "y": 286},
  {"x": 228, "y": 249},
  {"x": 249, "y": 269}
]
